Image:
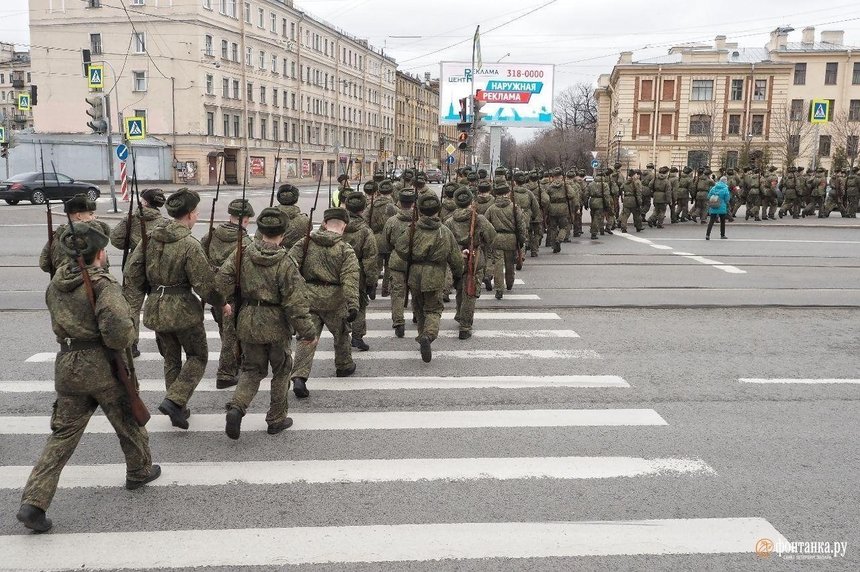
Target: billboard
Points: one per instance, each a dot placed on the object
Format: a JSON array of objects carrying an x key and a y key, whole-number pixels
[{"x": 515, "y": 95}]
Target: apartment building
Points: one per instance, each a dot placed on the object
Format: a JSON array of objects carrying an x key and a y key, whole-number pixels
[
  {"x": 723, "y": 104},
  {"x": 416, "y": 140},
  {"x": 216, "y": 77},
  {"x": 15, "y": 78}
]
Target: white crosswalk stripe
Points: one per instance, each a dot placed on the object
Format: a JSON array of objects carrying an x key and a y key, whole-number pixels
[
  {"x": 479, "y": 316},
  {"x": 799, "y": 381},
  {"x": 374, "y": 334}
]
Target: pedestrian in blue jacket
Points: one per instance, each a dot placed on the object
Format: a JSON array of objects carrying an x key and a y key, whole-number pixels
[{"x": 718, "y": 206}]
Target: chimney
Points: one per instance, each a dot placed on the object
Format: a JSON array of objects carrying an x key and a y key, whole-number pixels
[
  {"x": 808, "y": 35},
  {"x": 720, "y": 42},
  {"x": 625, "y": 58},
  {"x": 834, "y": 37},
  {"x": 778, "y": 39}
]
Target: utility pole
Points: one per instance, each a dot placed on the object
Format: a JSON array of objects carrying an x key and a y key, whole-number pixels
[{"x": 110, "y": 154}]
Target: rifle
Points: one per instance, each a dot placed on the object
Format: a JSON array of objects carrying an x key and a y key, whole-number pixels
[
  {"x": 237, "y": 291},
  {"x": 140, "y": 208},
  {"x": 566, "y": 200},
  {"x": 212, "y": 212},
  {"x": 123, "y": 370},
  {"x": 409, "y": 252},
  {"x": 543, "y": 214},
  {"x": 470, "y": 288},
  {"x": 126, "y": 246},
  {"x": 519, "y": 258},
  {"x": 49, "y": 216},
  {"x": 310, "y": 225},
  {"x": 274, "y": 175}
]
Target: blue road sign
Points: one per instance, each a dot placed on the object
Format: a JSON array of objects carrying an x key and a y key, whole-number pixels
[
  {"x": 121, "y": 152},
  {"x": 595, "y": 163},
  {"x": 450, "y": 160}
]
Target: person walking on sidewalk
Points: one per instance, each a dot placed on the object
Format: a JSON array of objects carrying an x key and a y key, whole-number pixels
[{"x": 718, "y": 206}]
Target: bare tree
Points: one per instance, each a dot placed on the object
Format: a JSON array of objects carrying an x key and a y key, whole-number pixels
[
  {"x": 846, "y": 132},
  {"x": 792, "y": 134},
  {"x": 575, "y": 108}
]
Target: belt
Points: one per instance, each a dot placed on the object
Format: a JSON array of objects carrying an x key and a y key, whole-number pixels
[
  {"x": 250, "y": 302},
  {"x": 70, "y": 345},
  {"x": 321, "y": 283},
  {"x": 499, "y": 231},
  {"x": 171, "y": 289},
  {"x": 557, "y": 201}
]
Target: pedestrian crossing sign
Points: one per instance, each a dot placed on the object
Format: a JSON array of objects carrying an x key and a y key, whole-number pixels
[
  {"x": 2, "y": 134},
  {"x": 96, "y": 76},
  {"x": 23, "y": 102},
  {"x": 135, "y": 128},
  {"x": 820, "y": 112}
]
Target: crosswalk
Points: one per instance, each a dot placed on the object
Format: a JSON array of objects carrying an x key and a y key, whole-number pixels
[{"x": 399, "y": 430}]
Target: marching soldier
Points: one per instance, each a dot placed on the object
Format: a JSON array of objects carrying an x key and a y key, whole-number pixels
[
  {"x": 396, "y": 226},
  {"x": 509, "y": 222},
  {"x": 609, "y": 214},
  {"x": 382, "y": 208},
  {"x": 530, "y": 207},
  {"x": 151, "y": 201},
  {"x": 297, "y": 221},
  {"x": 537, "y": 231},
  {"x": 768, "y": 194},
  {"x": 631, "y": 192},
  {"x": 790, "y": 203},
  {"x": 359, "y": 236},
  {"x": 168, "y": 269},
  {"x": 852, "y": 192},
  {"x": 481, "y": 240},
  {"x": 575, "y": 187},
  {"x": 331, "y": 272},
  {"x": 837, "y": 194},
  {"x": 84, "y": 379},
  {"x": 274, "y": 303},
  {"x": 682, "y": 195},
  {"x": 703, "y": 184},
  {"x": 819, "y": 191},
  {"x": 647, "y": 188},
  {"x": 734, "y": 184},
  {"x": 662, "y": 187},
  {"x": 561, "y": 200},
  {"x": 448, "y": 204},
  {"x": 421, "y": 187},
  {"x": 80, "y": 209},
  {"x": 598, "y": 199},
  {"x": 218, "y": 247}
]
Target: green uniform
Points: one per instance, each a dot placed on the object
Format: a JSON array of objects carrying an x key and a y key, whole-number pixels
[
  {"x": 662, "y": 190},
  {"x": 562, "y": 199},
  {"x": 598, "y": 199},
  {"x": 770, "y": 181},
  {"x": 360, "y": 237},
  {"x": 460, "y": 223},
  {"x": 528, "y": 203},
  {"x": 396, "y": 226},
  {"x": 536, "y": 231},
  {"x": 631, "y": 198},
  {"x": 852, "y": 193},
  {"x": 682, "y": 196},
  {"x": 297, "y": 225},
  {"x": 151, "y": 218},
  {"x": 702, "y": 185},
  {"x": 836, "y": 196},
  {"x": 817, "y": 184},
  {"x": 791, "y": 198},
  {"x": 52, "y": 255},
  {"x": 511, "y": 232},
  {"x": 383, "y": 209}
]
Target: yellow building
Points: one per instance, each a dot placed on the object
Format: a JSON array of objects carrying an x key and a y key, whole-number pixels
[
  {"x": 416, "y": 141},
  {"x": 15, "y": 78}
]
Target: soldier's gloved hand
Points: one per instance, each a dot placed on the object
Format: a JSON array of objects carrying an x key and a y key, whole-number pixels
[
  {"x": 351, "y": 315},
  {"x": 371, "y": 292}
]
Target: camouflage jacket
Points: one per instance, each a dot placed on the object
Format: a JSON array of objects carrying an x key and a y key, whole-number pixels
[
  {"x": 561, "y": 198},
  {"x": 331, "y": 272},
  {"x": 151, "y": 218},
  {"x": 297, "y": 225},
  {"x": 448, "y": 208},
  {"x": 631, "y": 194},
  {"x": 703, "y": 185},
  {"x": 222, "y": 243},
  {"x": 852, "y": 185},
  {"x": 72, "y": 319},
  {"x": 173, "y": 258},
  {"x": 575, "y": 190},
  {"x": 383, "y": 209},
  {"x": 485, "y": 235},
  {"x": 359, "y": 236},
  {"x": 269, "y": 276},
  {"x": 483, "y": 201},
  {"x": 662, "y": 188},
  {"x": 540, "y": 194},
  {"x": 599, "y": 196},
  {"x": 509, "y": 233},
  {"x": 673, "y": 187},
  {"x": 53, "y": 255},
  {"x": 434, "y": 249},
  {"x": 528, "y": 203}
]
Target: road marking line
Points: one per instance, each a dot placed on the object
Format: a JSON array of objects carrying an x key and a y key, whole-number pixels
[
  {"x": 383, "y": 543},
  {"x": 369, "y": 471},
  {"x": 365, "y": 421},
  {"x": 701, "y": 259},
  {"x": 479, "y": 315},
  {"x": 807, "y": 381},
  {"x": 47, "y": 357},
  {"x": 377, "y": 383},
  {"x": 730, "y": 269},
  {"x": 660, "y": 246},
  {"x": 442, "y": 334},
  {"x": 777, "y": 239},
  {"x": 517, "y": 281}
]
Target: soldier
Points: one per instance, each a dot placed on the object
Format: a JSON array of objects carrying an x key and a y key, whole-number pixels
[
  {"x": 483, "y": 175},
  {"x": 331, "y": 272},
  {"x": 733, "y": 181},
  {"x": 448, "y": 204},
  {"x": 632, "y": 199},
  {"x": 852, "y": 192},
  {"x": 381, "y": 209},
  {"x": 421, "y": 187},
  {"x": 804, "y": 190},
  {"x": 790, "y": 197},
  {"x": 509, "y": 221},
  {"x": 768, "y": 194},
  {"x": 500, "y": 176},
  {"x": 342, "y": 184},
  {"x": 484, "y": 199},
  {"x": 561, "y": 200},
  {"x": 80, "y": 209},
  {"x": 482, "y": 240},
  {"x": 598, "y": 199},
  {"x": 616, "y": 180},
  {"x": 818, "y": 184},
  {"x": 404, "y": 183},
  {"x": 537, "y": 231},
  {"x": 530, "y": 207},
  {"x": 662, "y": 189},
  {"x": 378, "y": 176},
  {"x": 423, "y": 252},
  {"x": 297, "y": 221},
  {"x": 394, "y": 228},
  {"x": 576, "y": 188},
  {"x": 219, "y": 246},
  {"x": 702, "y": 185},
  {"x": 151, "y": 200},
  {"x": 682, "y": 195},
  {"x": 274, "y": 304},
  {"x": 752, "y": 182},
  {"x": 647, "y": 179},
  {"x": 359, "y": 236},
  {"x": 172, "y": 264},
  {"x": 84, "y": 379},
  {"x": 837, "y": 194},
  {"x": 609, "y": 213},
  {"x": 472, "y": 180}
]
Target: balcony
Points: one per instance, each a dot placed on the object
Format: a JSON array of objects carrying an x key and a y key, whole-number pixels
[{"x": 18, "y": 84}]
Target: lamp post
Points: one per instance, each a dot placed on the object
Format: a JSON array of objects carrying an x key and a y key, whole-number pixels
[{"x": 618, "y": 135}]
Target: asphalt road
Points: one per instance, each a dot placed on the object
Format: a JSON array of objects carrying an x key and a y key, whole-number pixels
[{"x": 682, "y": 466}]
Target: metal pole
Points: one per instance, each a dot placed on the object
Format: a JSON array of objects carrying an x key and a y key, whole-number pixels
[
  {"x": 110, "y": 155},
  {"x": 817, "y": 143}
]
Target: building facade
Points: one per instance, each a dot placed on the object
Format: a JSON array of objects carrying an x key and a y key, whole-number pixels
[
  {"x": 724, "y": 105},
  {"x": 416, "y": 141},
  {"x": 216, "y": 77},
  {"x": 15, "y": 78}
]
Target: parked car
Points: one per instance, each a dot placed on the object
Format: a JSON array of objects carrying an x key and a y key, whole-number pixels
[
  {"x": 396, "y": 173},
  {"x": 38, "y": 187},
  {"x": 434, "y": 175}
]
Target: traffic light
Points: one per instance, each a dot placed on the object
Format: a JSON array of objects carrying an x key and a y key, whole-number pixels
[
  {"x": 4, "y": 150},
  {"x": 463, "y": 139},
  {"x": 34, "y": 99},
  {"x": 477, "y": 116},
  {"x": 464, "y": 112},
  {"x": 97, "y": 112}
]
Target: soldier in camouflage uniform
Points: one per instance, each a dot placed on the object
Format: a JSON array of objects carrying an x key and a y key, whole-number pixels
[
  {"x": 631, "y": 192},
  {"x": 80, "y": 209},
  {"x": 530, "y": 207},
  {"x": 509, "y": 221},
  {"x": 536, "y": 231},
  {"x": 576, "y": 189},
  {"x": 752, "y": 183},
  {"x": 734, "y": 184},
  {"x": 424, "y": 253},
  {"x": 768, "y": 194},
  {"x": 83, "y": 374},
  {"x": 609, "y": 214},
  {"x": 662, "y": 187},
  {"x": 219, "y": 246},
  {"x": 381, "y": 209},
  {"x": 332, "y": 276},
  {"x": 647, "y": 188},
  {"x": 561, "y": 200},
  {"x": 484, "y": 236},
  {"x": 682, "y": 195},
  {"x": 360, "y": 237},
  {"x": 837, "y": 194},
  {"x": 790, "y": 204},
  {"x": 172, "y": 264},
  {"x": 342, "y": 184},
  {"x": 819, "y": 192},
  {"x": 702, "y": 185},
  {"x": 297, "y": 221},
  {"x": 598, "y": 199},
  {"x": 421, "y": 187},
  {"x": 852, "y": 192},
  {"x": 274, "y": 304},
  {"x": 394, "y": 227},
  {"x": 448, "y": 204}
]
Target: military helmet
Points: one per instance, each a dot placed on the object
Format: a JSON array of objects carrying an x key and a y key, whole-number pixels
[
  {"x": 407, "y": 197},
  {"x": 482, "y": 173},
  {"x": 534, "y": 176},
  {"x": 687, "y": 169},
  {"x": 386, "y": 187},
  {"x": 79, "y": 204},
  {"x": 370, "y": 187},
  {"x": 472, "y": 176},
  {"x": 355, "y": 202},
  {"x": 520, "y": 177},
  {"x": 673, "y": 170},
  {"x": 448, "y": 189},
  {"x": 484, "y": 186},
  {"x": 336, "y": 213},
  {"x": 501, "y": 189},
  {"x": 649, "y": 166},
  {"x": 664, "y": 169},
  {"x": 428, "y": 204}
]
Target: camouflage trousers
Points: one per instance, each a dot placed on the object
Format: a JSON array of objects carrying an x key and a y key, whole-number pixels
[
  {"x": 596, "y": 221},
  {"x": 398, "y": 298},
  {"x": 700, "y": 209},
  {"x": 228, "y": 364},
  {"x": 577, "y": 221},
  {"x": 790, "y": 206},
  {"x": 659, "y": 214},
  {"x": 558, "y": 227},
  {"x": 180, "y": 378},
  {"x": 465, "y": 314},
  {"x": 831, "y": 204},
  {"x": 68, "y": 422},
  {"x": 682, "y": 209},
  {"x": 753, "y": 206},
  {"x": 256, "y": 359},
  {"x": 815, "y": 203},
  {"x": 852, "y": 205},
  {"x": 504, "y": 270},
  {"x": 535, "y": 236},
  {"x": 386, "y": 271},
  {"x": 625, "y": 216},
  {"x": 359, "y": 326},
  {"x": 428, "y": 310},
  {"x": 336, "y": 323}
]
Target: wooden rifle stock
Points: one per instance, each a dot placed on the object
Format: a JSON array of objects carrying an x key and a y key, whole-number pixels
[
  {"x": 310, "y": 226},
  {"x": 519, "y": 257},
  {"x": 470, "y": 288},
  {"x": 409, "y": 252}
]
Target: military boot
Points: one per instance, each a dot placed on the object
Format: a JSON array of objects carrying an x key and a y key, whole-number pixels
[
  {"x": 299, "y": 387},
  {"x": 556, "y": 248},
  {"x": 465, "y": 334},
  {"x": 34, "y": 518},
  {"x": 593, "y": 237},
  {"x": 488, "y": 283},
  {"x": 225, "y": 382},
  {"x": 386, "y": 290},
  {"x": 426, "y": 352},
  {"x": 233, "y": 425},
  {"x": 135, "y": 352},
  {"x": 176, "y": 413},
  {"x": 154, "y": 473},
  {"x": 276, "y": 428},
  {"x": 345, "y": 372},
  {"x": 400, "y": 331},
  {"x": 359, "y": 344},
  {"x": 499, "y": 294}
]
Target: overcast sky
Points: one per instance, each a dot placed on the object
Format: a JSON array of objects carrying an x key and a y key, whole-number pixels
[{"x": 582, "y": 39}]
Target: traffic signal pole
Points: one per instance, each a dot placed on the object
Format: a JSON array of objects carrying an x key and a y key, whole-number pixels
[{"x": 110, "y": 154}]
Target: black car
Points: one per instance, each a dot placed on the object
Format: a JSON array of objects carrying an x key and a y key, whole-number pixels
[
  {"x": 38, "y": 187},
  {"x": 434, "y": 175}
]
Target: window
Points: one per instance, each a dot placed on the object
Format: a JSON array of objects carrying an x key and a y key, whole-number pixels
[
  {"x": 264, "y": 128},
  {"x": 139, "y": 41},
  {"x": 285, "y": 104},
  {"x": 249, "y": 55},
  {"x": 855, "y": 75},
  {"x": 275, "y": 96},
  {"x": 760, "y": 90},
  {"x": 292, "y": 30},
  {"x": 284, "y": 27},
  {"x": 262, "y": 60},
  {"x": 226, "y": 125},
  {"x": 830, "y": 108},
  {"x": 236, "y": 120},
  {"x": 210, "y": 123},
  {"x": 94, "y": 3},
  {"x": 696, "y": 159},
  {"x": 851, "y": 145},
  {"x": 247, "y": 12},
  {"x": 210, "y": 84},
  {"x": 138, "y": 2},
  {"x": 700, "y": 124},
  {"x": 796, "y": 110},
  {"x": 250, "y": 91},
  {"x": 231, "y": 8},
  {"x": 824, "y": 146},
  {"x": 646, "y": 90},
  {"x": 260, "y": 17},
  {"x": 702, "y": 90},
  {"x": 854, "y": 110},
  {"x": 273, "y": 22},
  {"x": 737, "y": 91},
  {"x": 731, "y": 159},
  {"x": 140, "y": 113},
  {"x": 799, "y": 74},
  {"x": 274, "y": 63},
  {"x": 666, "y": 124},
  {"x": 96, "y": 44},
  {"x": 251, "y": 134},
  {"x": 225, "y": 89},
  {"x": 235, "y": 89},
  {"x": 207, "y": 45},
  {"x": 225, "y": 50},
  {"x": 139, "y": 80},
  {"x": 734, "y": 124},
  {"x": 234, "y": 52},
  {"x": 207, "y": 4},
  {"x": 644, "y": 124},
  {"x": 668, "y": 89},
  {"x": 830, "y": 73},
  {"x": 757, "y": 124},
  {"x": 293, "y": 101},
  {"x": 794, "y": 144},
  {"x": 262, "y": 94}
]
